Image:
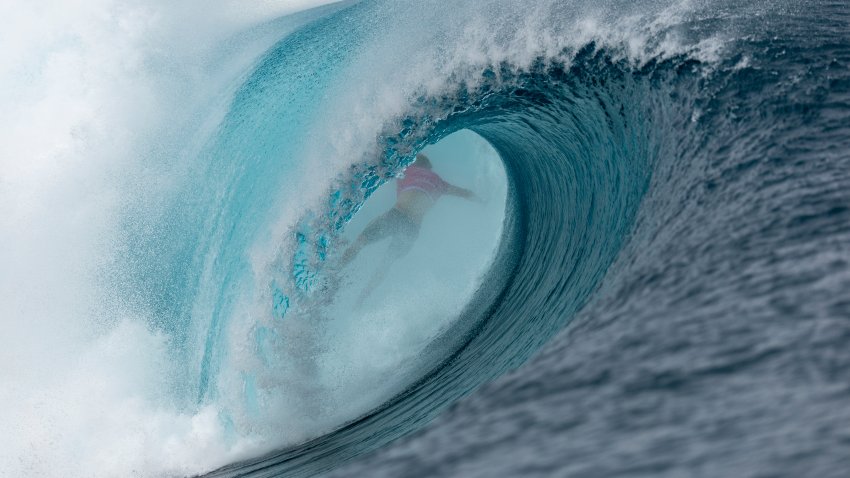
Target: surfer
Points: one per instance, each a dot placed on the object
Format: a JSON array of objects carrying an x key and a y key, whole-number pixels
[{"x": 416, "y": 193}]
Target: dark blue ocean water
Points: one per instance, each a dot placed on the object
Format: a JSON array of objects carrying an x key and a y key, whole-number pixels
[{"x": 670, "y": 297}]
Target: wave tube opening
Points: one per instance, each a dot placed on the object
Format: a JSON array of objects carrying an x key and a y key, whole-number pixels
[
  {"x": 347, "y": 338},
  {"x": 421, "y": 294}
]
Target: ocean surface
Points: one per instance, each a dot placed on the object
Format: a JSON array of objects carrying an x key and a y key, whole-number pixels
[{"x": 651, "y": 281}]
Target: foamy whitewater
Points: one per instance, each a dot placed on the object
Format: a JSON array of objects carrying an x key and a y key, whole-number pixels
[{"x": 651, "y": 279}]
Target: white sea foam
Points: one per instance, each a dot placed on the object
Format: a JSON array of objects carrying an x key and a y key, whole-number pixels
[{"x": 91, "y": 91}]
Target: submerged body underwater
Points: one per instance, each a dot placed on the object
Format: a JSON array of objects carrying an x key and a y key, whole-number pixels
[{"x": 651, "y": 281}]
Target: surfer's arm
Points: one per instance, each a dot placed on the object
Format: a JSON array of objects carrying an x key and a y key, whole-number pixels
[{"x": 453, "y": 190}]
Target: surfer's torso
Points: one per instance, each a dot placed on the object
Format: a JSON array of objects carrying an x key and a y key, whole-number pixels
[{"x": 417, "y": 191}]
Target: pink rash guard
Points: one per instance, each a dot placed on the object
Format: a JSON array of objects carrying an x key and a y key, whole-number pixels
[{"x": 424, "y": 180}]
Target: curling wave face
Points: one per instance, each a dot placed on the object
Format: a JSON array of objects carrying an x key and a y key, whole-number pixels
[
  {"x": 579, "y": 159},
  {"x": 626, "y": 134}
]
